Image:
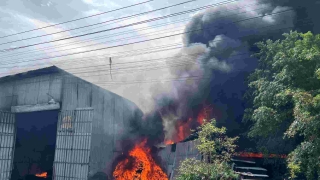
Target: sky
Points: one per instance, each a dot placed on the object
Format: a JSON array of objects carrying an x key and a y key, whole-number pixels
[
  {"x": 132, "y": 67},
  {"x": 138, "y": 70}
]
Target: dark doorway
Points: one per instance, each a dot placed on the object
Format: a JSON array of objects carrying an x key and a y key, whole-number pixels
[{"x": 35, "y": 145}]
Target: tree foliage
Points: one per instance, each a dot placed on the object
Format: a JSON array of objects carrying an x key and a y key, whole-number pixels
[
  {"x": 216, "y": 148},
  {"x": 285, "y": 94}
]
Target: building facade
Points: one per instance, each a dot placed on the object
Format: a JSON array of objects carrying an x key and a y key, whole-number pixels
[{"x": 90, "y": 122}]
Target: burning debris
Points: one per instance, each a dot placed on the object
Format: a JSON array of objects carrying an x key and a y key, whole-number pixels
[
  {"x": 42, "y": 175},
  {"x": 139, "y": 165},
  {"x": 139, "y": 162}
]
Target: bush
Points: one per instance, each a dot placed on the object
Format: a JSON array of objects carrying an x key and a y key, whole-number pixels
[{"x": 217, "y": 148}]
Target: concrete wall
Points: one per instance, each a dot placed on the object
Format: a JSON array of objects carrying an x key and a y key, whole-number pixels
[{"x": 111, "y": 112}]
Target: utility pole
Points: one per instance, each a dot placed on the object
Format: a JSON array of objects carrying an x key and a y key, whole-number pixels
[{"x": 110, "y": 61}]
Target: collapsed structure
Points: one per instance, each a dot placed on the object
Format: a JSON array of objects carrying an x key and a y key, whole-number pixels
[{"x": 54, "y": 124}]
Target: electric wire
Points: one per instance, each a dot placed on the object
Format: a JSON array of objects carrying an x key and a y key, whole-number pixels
[
  {"x": 79, "y": 19},
  {"x": 110, "y": 41},
  {"x": 140, "y": 41},
  {"x": 108, "y": 83},
  {"x": 129, "y": 38},
  {"x": 176, "y": 64},
  {"x": 115, "y": 54},
  {"x": 91, "y": 39},
  {"x": 119, "y": 27},
  {"x": 117, "y": 34},
  {"x": 131, "y": 16},
  {"x": 133, "y": 62}
]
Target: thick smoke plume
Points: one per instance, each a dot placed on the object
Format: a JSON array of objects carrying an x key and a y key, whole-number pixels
[
  {"x": 219, "y": 53},
  {"x": 216, "y": 61}
]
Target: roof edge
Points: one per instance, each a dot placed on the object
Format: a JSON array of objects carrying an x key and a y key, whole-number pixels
[{"x": 33, "y": 73}]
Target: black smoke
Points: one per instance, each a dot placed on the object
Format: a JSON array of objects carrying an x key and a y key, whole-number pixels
[
  {"x": 305, "y": 10},
  {"x": 224, "y": 45},
  {"x": 220, "y": 42}
]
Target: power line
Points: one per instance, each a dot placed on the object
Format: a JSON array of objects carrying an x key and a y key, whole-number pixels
[
  {"x": 78, "y": 19},
  {"x": 162, "y": 58},
  {"x": 150, "y": 66},
  {"x": 128, "y": 38},
  {"x": 97, "y": 44},
  {"x": 153, "y": 67},
  {"x": 124, "y": 54},
  {"x": 149, "y": 81},
  {"x": 142, "y": 41},
  {"x": 178, "y": 47},
  {"x": 121, "y": 33},
  {"x": 91, "y": 39},
  {"x": 119, "y": 27},
  {"x": 149, "y": 60},
  {"x": 176, "y": 64},
  {"x": 127, "y": 82},
  {"x": 126, "y": 17}
]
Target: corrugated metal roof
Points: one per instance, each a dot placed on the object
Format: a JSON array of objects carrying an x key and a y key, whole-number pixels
[{"x": 33, "y": 73}]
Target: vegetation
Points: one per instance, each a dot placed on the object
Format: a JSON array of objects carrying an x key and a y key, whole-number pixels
[
  {"x": 285, "y": 99},
  {"x": 216, "y": 148}
]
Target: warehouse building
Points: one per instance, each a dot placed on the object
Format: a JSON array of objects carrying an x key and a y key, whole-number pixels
[{"x": 56, "y": 125}]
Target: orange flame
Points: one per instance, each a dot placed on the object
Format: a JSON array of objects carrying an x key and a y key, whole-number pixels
[
  {"x": 144, "y": 167},
  {"x": 205, "y": 114},
  {"x": 183, "y": 128},
  {"x": 168, "y": 142},
  {"x": 201, "y": 117},
  {"x": 42, "y": 175}
]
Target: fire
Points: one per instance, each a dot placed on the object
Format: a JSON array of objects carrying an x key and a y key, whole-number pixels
[
  {"x": 143, "y": 167},
  {"x": 201, "y": 117},
  {"x": 183, "y": 128},
  {"x": 168, "y": 142},
  {"x": 42, "y": 175},
  {"x": 205, "y": 114}
]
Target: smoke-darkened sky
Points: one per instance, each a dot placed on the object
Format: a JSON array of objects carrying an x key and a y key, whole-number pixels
[{"x": 22, "y": 15}]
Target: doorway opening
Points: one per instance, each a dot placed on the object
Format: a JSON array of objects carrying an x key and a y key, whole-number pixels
[{"x": 35, "y": 145}]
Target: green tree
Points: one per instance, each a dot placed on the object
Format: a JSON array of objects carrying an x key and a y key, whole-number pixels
[
  {"x": 217, "y": 149},
  {"x": 285, "y": 96}
]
